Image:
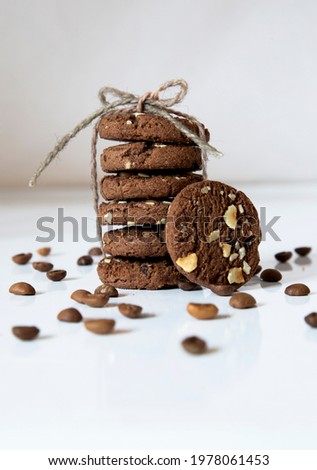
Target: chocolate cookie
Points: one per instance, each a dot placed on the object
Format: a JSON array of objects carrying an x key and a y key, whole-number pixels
[
  {"x": 135, "y": 242},
  {"x": 143, "y": 185},
  {"x": 149, "y": 156},
  {"x": 213, "y": 234},
  {"x": 144, "y": 127},
  {"x": 138, "y": 274},
  {"x": 150, "y": 212}
]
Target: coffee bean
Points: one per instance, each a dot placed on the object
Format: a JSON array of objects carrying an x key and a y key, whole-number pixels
[
  {"x": 186, "y": 285},
  {"x": 95, "y": 251},
  {"x": 56, "y": 275},
  {"x": 25, "y": 332},
  {"x": 297, "y": 290},
  {"x": 130, "y": 311},
  {"x": 45, "y": 251},
  {"x": 202, "y": 311},
  {"x": 223, "y": 291},
  {"x": 22, "y": 258},
  {"x": 109, "y": 290},
  {"x": 70, "y": 315},
  {"x": 194, "y": 345},
  {"x": 311, "y": 320},
  {"x": 42, "y": 266},
  {"x": 85, "y": 260},
  {"x": 283, "y": 256},
  {"x": 271, "y": 275},
  {"x": 79, "y": 295},
  {"x": 242, "y": 300},
  {"x": 303, "y": 250},
  {"x": 22, "y": 288},
  {"x": 96, "y": 300},
  {"x": 101, "y": 326},
  {"x": 258, "y": 269}
]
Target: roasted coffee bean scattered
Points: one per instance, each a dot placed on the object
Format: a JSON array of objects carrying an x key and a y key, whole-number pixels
[
  {"x": 79, "y": 295},
  {"x": 311, "y": 319},
  {"x": 242, "y": 300},
  {"x": 101, "y": 326},
  {"x": 96, "y": 300},
  {"x": 85, "y": 260},
  {"x": 130, "y": 311},
  {"x": 271, "y": 275},
  {"x": 202, "y": 311},
  {"x": 223, "y": 291},
  {"x": 258, "y": 270},
  {"x": 283, "y": 256},
  {"x": 22, "y": 288},
  {"x": 56, "y": 275},
  {"x": 186, "y": 285},
  {"x": 44, "y": 251},
  {"x": 70, "y": 315},
  {"x": 42, "y": 266},
  {"x": 25, "y": 332},
  {"x": 109, "y": 290},
  {"x": 297, "y": 290},
  {"x": 194, "y": 345},
  {"x": 95, "y": 251},
  {"x": 22, "y": 258},
  {"x": 303, "y": 250}
]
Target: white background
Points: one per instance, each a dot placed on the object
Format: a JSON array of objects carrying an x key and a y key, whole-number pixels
[{"x": 251, "y": 66}]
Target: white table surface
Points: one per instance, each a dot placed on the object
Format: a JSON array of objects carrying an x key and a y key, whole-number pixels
[{"x": 138, "y": 389}]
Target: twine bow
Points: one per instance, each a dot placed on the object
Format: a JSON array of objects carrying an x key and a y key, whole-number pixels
[{"x": 151, "y": 103}]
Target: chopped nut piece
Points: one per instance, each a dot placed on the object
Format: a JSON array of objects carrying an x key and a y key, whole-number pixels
[
  {"x": 237, "y": 246},
  {"x": 230, "y": 216},
  {"x": 222, "y": 193},
  {"x": 233, "y": 257},
  {"x": 242, "y": 252},
  {"x": 129, "y": 122},
  {"x": 213, "y": 236},
  {"x": 188, "y": 263},
  {"x": 205, "y": 189},
  {"x": 226, "y": 250},
  {"x": 235, "y": 276},
  {"x": 150, "y": 203},
  {"x": 108, "y": 217},
  {"x": 232, "y": 196},
  {"x": 127, "y": 165},
  {"x": 246, "y": 268},
  {"x": 240, "y": 207}
]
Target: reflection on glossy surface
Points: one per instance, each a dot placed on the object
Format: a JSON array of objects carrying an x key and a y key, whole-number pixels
[
  {"x": 303, "y": 261},
  {"x": 271, "y": 287},
  {"x": 284, "y": 266}
]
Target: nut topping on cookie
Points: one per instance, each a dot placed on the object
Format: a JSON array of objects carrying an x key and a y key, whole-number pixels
[
  {"x": 230, "y": 216},
  {"x": 188, "y": 263},
  {"x": 226, "y": 250},
  {"x": 213, "y": 236},
  {"x": 235, "y": 276}
]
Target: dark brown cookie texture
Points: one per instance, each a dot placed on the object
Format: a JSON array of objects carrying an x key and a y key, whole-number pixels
[
  {"x": 213, "y": 234},
  {"x": 138, "y": 274},
  {"x": 150, "y": 212},
  {"x": 148, "y": 156},
  {"x": 144, "y": 185},
  {"x": 144, "y": 127},
  {"x": 135, "y": 242}
]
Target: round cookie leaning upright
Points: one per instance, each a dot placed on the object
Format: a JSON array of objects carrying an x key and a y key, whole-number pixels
[{"x": 213, "y": 234}]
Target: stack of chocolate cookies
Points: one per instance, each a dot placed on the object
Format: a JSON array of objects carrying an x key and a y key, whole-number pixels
[{"x": 143, "y": 176}]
